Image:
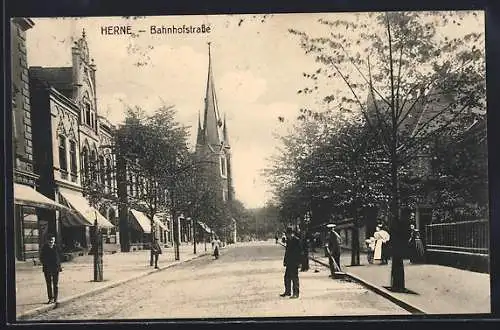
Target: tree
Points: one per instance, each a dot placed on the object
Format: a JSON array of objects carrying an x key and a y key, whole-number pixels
[
  {"x": 417, "y": 80},
  {"x": 152, "y": 152}
]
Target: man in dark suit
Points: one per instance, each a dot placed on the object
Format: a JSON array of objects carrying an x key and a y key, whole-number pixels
[
  {"x": 51, "y": 266},
  {"x": 292, "y": 262}
]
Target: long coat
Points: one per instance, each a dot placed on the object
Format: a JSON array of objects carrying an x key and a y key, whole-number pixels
[
  {"x": 293, "y": 252},
  {"x": 381, "y": 237},
  {"x": 50, "y": 259}
]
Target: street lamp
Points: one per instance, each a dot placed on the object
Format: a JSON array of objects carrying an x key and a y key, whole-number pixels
[{"x": 98, "y": 264}]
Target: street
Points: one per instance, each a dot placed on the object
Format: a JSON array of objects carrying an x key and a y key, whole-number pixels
[{"x": 244, "y": 282}]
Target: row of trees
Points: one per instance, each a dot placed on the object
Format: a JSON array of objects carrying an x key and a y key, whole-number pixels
[
  {"x": 157, "y": 173},
  {"x": 402, "y": 122}
]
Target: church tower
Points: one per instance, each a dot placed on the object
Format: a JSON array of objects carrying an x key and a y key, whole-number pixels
[{"x": 212, "y": 143}]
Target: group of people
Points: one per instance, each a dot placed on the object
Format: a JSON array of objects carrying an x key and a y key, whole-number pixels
[
  {"x": 379, "y": 246},
  {"x": 297, "y": 256}
]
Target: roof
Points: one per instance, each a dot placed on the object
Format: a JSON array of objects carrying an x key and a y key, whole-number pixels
[{"x": 61, "y": 78}]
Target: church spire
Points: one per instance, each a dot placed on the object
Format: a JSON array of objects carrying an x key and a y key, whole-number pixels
[
  {"x": 199, "y": 137},
  {"x": 211, "y": 118}
]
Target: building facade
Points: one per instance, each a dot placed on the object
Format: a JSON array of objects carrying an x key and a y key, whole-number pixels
[
  {"x": 72, "y": 146},
  {"x": 26, "y": 226}
]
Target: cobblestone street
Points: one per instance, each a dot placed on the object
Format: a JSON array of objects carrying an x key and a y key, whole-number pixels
[{"x": 245, "y": 282}]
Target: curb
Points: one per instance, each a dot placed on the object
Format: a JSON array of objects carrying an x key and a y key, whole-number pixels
[
  {"x": 46, "y": 308},
  {"x": 380, "y": 291}
]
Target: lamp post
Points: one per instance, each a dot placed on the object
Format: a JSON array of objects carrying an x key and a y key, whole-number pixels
[{"x": 97, "y": 244}]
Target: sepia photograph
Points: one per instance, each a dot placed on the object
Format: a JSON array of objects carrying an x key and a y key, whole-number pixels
[{"x": 250, "y": 166}]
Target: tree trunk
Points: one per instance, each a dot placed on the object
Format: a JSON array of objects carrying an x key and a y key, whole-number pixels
[
  {"x": 355, "y": 242},
  {"x": 396, "y": 240}
]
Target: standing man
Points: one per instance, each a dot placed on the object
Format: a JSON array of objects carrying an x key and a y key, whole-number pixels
[
  {"x": 291, "y": 262},
  {"x": 156, "y": 251},
  {"x": 333, "y": 247},
  {"x": 51, "y": 266}
]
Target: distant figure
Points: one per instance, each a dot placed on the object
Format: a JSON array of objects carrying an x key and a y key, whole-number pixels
[
  {"x": 283, "y": 238},
  {"x": 156, "y": 250},
  {"x": 276, "y": 237},
  {"x": 216, "y": 247},
  {"x": 51, "y": 266},
  {"x": 333, "y": 248},
  {"x": 370, "y": 246},
  {"x": 417, "y": 251},
  {"x": 291, "y": 262},
  {"x": 382, "y": 237}
]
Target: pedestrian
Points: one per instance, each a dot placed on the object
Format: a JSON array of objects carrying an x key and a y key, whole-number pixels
[
  {"x": 305, "y": 254},
  {"x": 291, "y": 262},
  {"x": 381, "y": 252},
  {"x": 370, "y": 249},
  {"x": 156, "y": 251},
  {"x": 333, "y": 249},
  {"x": 283, "y": 238},
  {"x": 417, "y": 251},
  {"x": 216, "y": 247},
  {"x": 51, "y": 266},
  {"x": 276, "y": 237}
]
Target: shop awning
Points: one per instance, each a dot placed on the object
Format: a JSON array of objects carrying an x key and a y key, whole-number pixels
[
  {"x": 142, "y": 220},
  {"x": 87, "y": 213},
  {"x": 25, "y": 195},
  {"x": 158, "y": 220},
  {"x": 205, "y": 227}
]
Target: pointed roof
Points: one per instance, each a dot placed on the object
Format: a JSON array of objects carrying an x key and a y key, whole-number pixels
[
  {"x": 199, "y": 137},
  {"x": 211, "y": 118}
]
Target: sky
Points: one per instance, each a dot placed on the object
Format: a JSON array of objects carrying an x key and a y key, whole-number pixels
[{"x": 257, "y": 66}]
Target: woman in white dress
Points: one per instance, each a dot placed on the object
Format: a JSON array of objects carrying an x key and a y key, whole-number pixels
[{"x": 381, "y": 238}]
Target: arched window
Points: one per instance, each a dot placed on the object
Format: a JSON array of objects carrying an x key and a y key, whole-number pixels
[
  {"x": 85, "y": 164},
  {"x": 72, "y": 160},
  {"x": 87, "y": 113},
  {"x": 109, "y": 182},
  {"x": 93, "y": 165},
  {"x": 102, "y": 171},
  {"x": 63, "y": 162}
]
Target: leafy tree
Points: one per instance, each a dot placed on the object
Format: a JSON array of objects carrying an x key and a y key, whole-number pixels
[
  {"x": 418, "y": 83},
  {"x": 152, "y": 151}
]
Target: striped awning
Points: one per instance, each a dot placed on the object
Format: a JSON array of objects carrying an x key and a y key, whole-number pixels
[
  {"x": 87, "y": 214},
  {"x": 205, "y": 227},
  {"x": 26, "y": 195},
  {"x": 159, "y": 218},
  {"x": 143, "y": 222}
]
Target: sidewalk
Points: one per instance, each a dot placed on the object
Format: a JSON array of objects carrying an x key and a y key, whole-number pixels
[
  {"x": 76, "y": 279},
  {"x": 438, "y": 289}
]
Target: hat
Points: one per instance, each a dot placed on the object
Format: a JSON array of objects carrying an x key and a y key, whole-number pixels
[{"x": 331, "y": 225}]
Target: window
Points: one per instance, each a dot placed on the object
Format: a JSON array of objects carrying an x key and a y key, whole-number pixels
[
  {"x": 224, "y": 195},
  {"x": 63, "y": 165},
  {"x": 102, "y": 171},
  {"x": 109, "y": 183},
  {"x": 85, "y": 163},
  {"x": 72, "y": 160},
  {"x": 93, "y": 165},
  {"x": 87, "y": 113},
  {"x": 223, "y": 166}
]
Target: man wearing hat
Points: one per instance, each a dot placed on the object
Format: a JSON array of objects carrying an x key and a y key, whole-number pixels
[
  {"x": 292, "y": 262},
  {"x": 334, "y": 241}
]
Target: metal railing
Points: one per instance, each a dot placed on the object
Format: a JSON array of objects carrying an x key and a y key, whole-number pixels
[{"x": 464, "y": 237}]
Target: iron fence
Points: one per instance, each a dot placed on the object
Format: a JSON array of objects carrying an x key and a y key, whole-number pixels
[{"x": 466, "y": 237}]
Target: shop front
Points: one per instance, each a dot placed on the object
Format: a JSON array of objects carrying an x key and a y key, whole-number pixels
[{"x": 31, "y": 229}]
